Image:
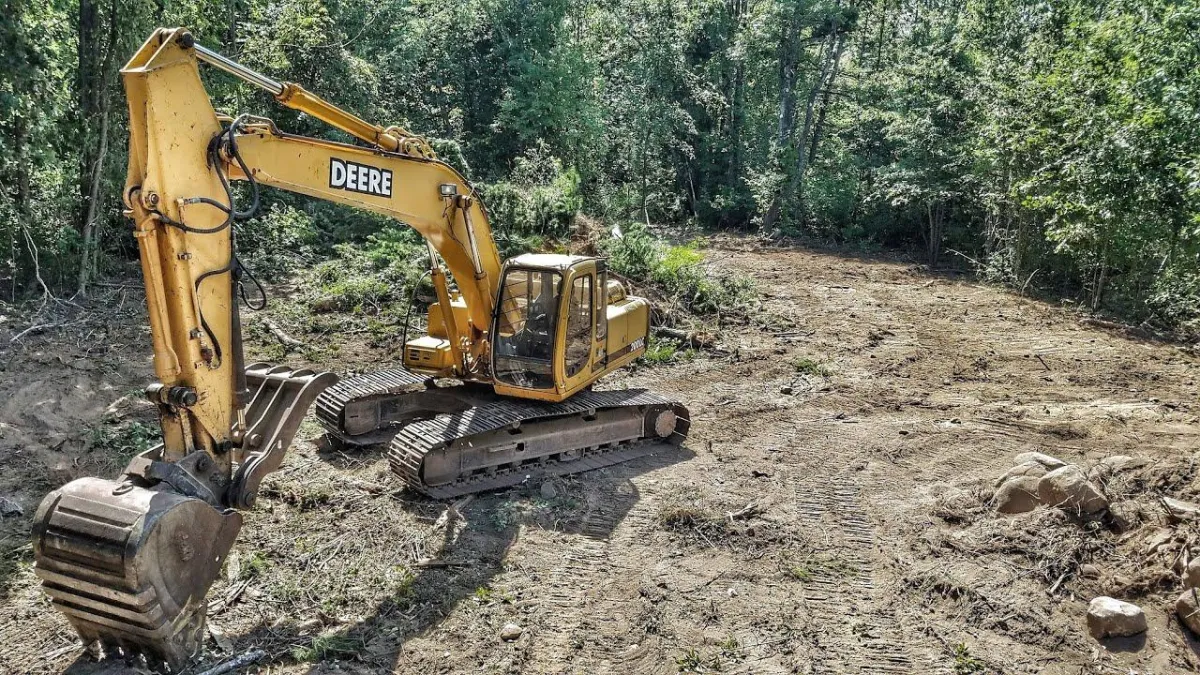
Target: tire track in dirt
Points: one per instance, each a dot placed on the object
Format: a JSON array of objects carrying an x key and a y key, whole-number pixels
[
  {"x": 581, "y": 619},
  {"x": 870, "y": 639}
]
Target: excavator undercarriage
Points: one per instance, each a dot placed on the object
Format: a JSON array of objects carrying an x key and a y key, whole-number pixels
[{"x": 450, "y": 440}]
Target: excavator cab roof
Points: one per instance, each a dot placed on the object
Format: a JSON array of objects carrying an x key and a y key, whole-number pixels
[{"x": 547, "y": 261}]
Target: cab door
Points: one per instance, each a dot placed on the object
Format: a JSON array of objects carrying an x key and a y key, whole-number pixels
[{"x": 577, "y": 328}]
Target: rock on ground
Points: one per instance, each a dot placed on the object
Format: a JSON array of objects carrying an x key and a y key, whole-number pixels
[
  {"x": 1018, "y": 495},
  {"x": 1051, "y": 463},
  {"x": 1124, "y": 516},
  {"x": 1120, "y": 463},
  {"x": 1068, "y": 488},
  {"x": 9, "y": 507},
  {"x": 1188, "y": 609},
  {"x": 1110, "y": 466},
  {"x": 1021, "y": 470},
  {"x": 1157, "y": 539},
  {"x": 1109, "y": 617},
  {"x": 510, "y": 632},
  {"x": 1181, "y": 509},
  {"x": 1191, "y": 576}
]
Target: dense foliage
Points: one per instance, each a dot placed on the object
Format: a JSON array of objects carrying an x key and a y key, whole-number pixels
[{"x": 1053, "y": 145}]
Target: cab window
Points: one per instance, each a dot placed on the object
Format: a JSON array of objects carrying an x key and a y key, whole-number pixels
[
  {"x": 579, "y": 325},
  {"x": 525, "y": 323}
]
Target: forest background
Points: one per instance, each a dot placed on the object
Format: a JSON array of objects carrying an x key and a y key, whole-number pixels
[{"x": 1050, "y": 146}]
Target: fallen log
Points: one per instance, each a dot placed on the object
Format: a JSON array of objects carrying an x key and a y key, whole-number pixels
[
  {"x": 685, "y": 338},
  {"x": 284, "y": 339}
]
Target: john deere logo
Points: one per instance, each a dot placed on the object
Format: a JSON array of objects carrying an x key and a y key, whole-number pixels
[{"x": 355, "y": 177}]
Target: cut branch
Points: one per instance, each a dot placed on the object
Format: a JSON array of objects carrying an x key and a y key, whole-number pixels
[{"x": 284, "y": 339}]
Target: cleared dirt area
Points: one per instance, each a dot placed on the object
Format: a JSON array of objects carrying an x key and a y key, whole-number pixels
[{"x": 829, "y": 514}]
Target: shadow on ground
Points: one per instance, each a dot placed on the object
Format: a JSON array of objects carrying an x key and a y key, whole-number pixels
[
  {"x": 472, "y": 551},
  {"x": 470, "y": 555},
  {"x": 475, "y": 541}
]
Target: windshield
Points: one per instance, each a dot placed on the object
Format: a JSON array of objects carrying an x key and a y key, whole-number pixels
[{"x": 525, "y": 328}]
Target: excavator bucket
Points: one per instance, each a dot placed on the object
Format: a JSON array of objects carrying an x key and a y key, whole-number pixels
[
  {"x": 129, "y": 561},
  {"x": 130, "y": 566}
]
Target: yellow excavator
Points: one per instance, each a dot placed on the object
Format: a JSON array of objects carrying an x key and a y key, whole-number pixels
[{"x": 498, "y": 392}]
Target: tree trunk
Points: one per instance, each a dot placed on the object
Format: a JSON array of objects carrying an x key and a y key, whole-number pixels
[
  {"x": 879, "y": 40},
  {"x": 87, "y": 51},
  {"x": 1100, "y": 279},
  {"x": 789, "y": 54},
  {"x": 833, "y": 53},
  {"x": 230, "y": 40},
  {"x": 87, "y": 263},
  {"x": 789, "y": 61},
  {"x": 736, "y": 118},
  {"x": 21, "y": 153},
  {"x": 826, "y": 94},
  {"x": 936, "y": 216},
  {"x": 1101, "y": 276},
  {"x": 645, "y": 177}
]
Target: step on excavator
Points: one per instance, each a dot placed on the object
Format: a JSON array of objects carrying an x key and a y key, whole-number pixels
[{"x": 497, "y": 393}]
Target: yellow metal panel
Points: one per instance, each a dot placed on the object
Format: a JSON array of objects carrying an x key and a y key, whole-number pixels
[
  {"x": 628, "y": 321},
  {"x": 171, "y": 124},
  {"x": 303, "y": 165},
  {"x": 428, "y": 353},
  {"x": 435, "y": 316}
]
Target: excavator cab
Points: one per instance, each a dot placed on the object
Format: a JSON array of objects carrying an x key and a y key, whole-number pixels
[{"x": 558, "y": 321}]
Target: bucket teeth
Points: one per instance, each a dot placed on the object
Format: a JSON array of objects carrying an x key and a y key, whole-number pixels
[{"x": 129, "y": 567}]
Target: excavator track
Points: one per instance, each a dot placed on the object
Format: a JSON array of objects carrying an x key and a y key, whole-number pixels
[
  {"x": 371, "y": 388},
  {"x": 367, "y": 409},
  {"x": 509, "y": 441}
]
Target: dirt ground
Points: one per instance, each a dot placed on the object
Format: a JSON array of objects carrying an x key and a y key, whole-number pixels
[{"x": 829, "y": 513}]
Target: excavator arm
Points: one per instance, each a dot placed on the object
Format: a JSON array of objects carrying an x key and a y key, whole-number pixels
[
  {"x": 129, "y": 561},
  {"x": 428, "y": 195}
]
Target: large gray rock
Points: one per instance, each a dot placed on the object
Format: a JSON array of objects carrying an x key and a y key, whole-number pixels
[
  {"x": 1188, "y": 609},
  {"x": 1018, "y": 495},
  {"x": 1109, "y": 617},
  {"x": 1022, "y": 470},
  {"x": 1051, "y": 463},
  {"x": 1068, "y": 488}
]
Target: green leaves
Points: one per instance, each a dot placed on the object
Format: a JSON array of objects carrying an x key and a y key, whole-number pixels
[{"x": 1058, "y": 138}]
